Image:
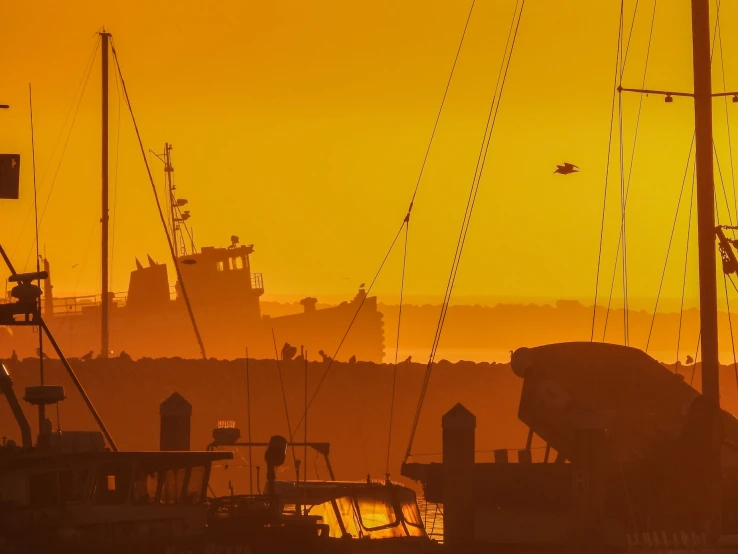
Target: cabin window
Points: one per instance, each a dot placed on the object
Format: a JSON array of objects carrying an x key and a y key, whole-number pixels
[
  {"x": 145, "y": 485},
  {"x": 239, "y": 263},
  {"x": 377, "y": 513},
  {"x": 195, "y": 485},
  {"x": 172, "y": 485},
  {"x": 411, "y": 513},
  {"x": 72, "y": 485},
  {"x": 43, "y": 489},
  {"x": 112, "y": 483},
  {"x": 231, "y": 264},
  {"x": 220, "y": 266},
  {"x": 337, "y": 513}
]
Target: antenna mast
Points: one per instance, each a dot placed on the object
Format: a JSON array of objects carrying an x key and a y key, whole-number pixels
[
  {"x": 168, "y": 169},
  {"x": 105, "y": 305}
]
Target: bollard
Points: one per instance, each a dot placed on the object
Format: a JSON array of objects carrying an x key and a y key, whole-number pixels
[
  {"x": 175, "y": 413},
  {"x": 459, "y": 509}
]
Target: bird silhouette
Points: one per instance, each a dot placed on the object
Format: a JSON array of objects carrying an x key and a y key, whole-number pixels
[
  {"x": 409, "y": 359},
  {"x": 689, "y": 360},
  {"x": 362, "y": 285},
  {"x": 87, "y": 357},
  {"x": 352, "y": 360},
  {"x": 566, "y": 169},
  {"x": 41, "y": 354},
  {"x": 288, "y": 351}
]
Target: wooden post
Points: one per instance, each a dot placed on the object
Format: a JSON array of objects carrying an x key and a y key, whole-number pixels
[
  {"x": 459, "y": 510},
  {"x": 175, "y": 414},
  {"x": 588, "y": 482}
]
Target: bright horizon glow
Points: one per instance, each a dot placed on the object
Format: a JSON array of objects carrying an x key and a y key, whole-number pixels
[{"x": 301, "y": 129}]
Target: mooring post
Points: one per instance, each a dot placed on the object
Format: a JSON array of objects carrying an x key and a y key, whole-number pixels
[
  {"x": 459, "y": 509},
  {"x": 175, "y": 414},
  {"x": 588, "y": 481}
]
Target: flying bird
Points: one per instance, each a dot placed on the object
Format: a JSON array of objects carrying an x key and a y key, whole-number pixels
[
  {"x": 566, "y": 169},
  {"x": 75, "y": 265}
]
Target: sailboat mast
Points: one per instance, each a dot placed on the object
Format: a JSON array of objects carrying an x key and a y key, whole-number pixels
[
  {"x": 105, "y": 305},
  {"x": 701, "y": 58}
]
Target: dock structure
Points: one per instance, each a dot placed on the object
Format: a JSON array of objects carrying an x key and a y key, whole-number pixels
[{"x": 620, "y": 460}]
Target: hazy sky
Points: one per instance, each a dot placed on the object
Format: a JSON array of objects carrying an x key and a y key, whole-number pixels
[{"x": 301, "y": 127}]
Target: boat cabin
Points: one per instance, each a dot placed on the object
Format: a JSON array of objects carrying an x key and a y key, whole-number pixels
[
  {"x": 109, "y": 498},
  {"x": 356, "y": 509},
  {"x": 338, "y": 509}
]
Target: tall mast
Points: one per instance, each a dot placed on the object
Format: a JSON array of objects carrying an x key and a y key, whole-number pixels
[
  {"x": 105, "y": 339},
  {"x": 701, "y": 57}
]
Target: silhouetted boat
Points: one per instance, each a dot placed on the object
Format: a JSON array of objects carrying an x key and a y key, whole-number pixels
[
  {"x": 68, "y": 492},
  {"x": 644, "y": 463},
  {"x": 151, "y": 320},
  {"x": 349, "y": 516},
  {"x": 216, "y": 295}
]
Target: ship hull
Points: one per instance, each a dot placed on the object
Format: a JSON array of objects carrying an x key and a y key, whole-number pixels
[{"x": 168, "y": 332}]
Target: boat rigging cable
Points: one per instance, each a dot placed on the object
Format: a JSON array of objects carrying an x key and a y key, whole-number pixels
[
  {"x": 248, "y": 419},
  {"x": 284, "y": 403},
  {"x": 671, "y": 239},
  {"x": 719, "y": 33},
  {"x": 719, "y": 36},
  {"x": 730, "y": 323},
  {"x": 621, "y": 61},
  {"x": 81, "y": 87},
  {"x": 684, "y": 277},
  {"x": 35, "y": 211},
  {"x": 405, "y": 220},
  {"x": 673, "y": 228},
  {"x": 158, "y": 204},
  {"x": 474, "y": 189},
  {"x": 632, "y": 156},
  {"x": 619, "y": 72},
  {"x": 115, "y": 178},
  {"x": 722, "y": 184},
  {"x": 623, "y": 230},
  {"x": 732, "y": 227},
  {"x": 696, "y": 353},
  {"x": 397, "y": 349},
  {"x": 625, "y": 187},
  {"x": 607, "y": 180}
]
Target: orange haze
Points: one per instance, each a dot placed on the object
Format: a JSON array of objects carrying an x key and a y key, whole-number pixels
[{"x": 301, "y": 127}]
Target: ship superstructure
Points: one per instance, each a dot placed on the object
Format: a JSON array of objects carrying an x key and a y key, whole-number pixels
[{"x": 151, "y": 320}]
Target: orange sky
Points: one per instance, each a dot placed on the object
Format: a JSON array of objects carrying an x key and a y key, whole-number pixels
[{"x": 301, "y": 127}]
